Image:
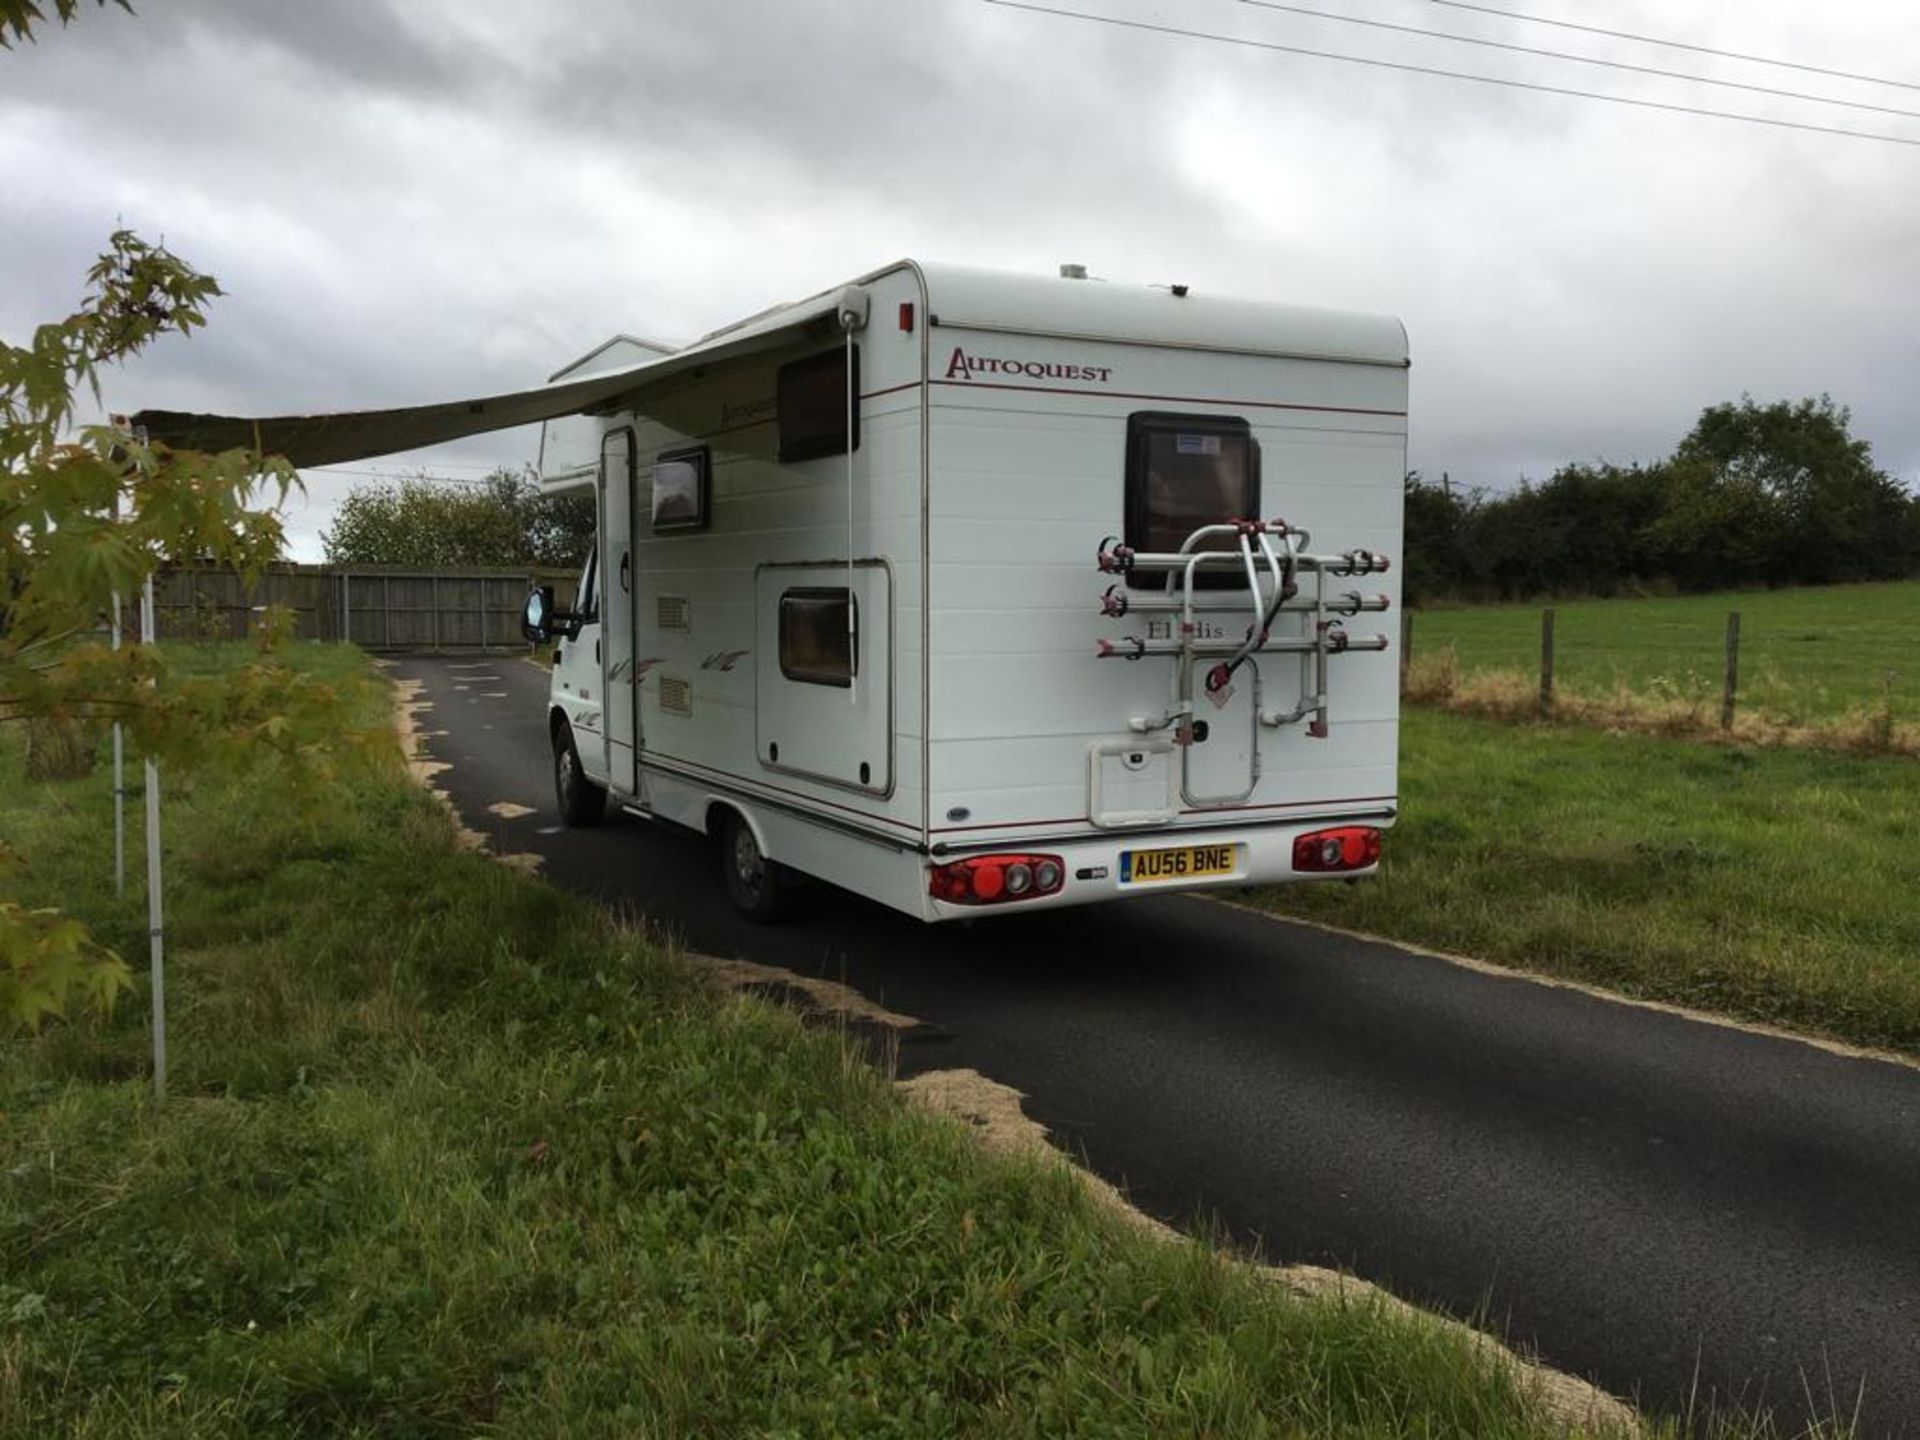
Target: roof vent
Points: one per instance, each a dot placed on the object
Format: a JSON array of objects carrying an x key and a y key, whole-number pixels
[{"x": 1073, "y": 272}]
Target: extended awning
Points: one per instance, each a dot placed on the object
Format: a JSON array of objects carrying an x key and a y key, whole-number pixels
[{"x": 329, "y": 439}]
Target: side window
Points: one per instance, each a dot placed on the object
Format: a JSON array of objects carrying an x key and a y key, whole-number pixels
[
  {"x": 1186, "y": 471},
  {"x": 811, "y": 403},
  {"x": 682, "y": 489},
  {"x": 587, "y": 605},
  {"x": 816, "y": 642}
]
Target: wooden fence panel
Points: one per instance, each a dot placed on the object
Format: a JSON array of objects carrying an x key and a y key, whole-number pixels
[{"x": 377, "y": 607}]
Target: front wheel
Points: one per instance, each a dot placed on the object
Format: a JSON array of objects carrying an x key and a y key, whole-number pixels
[
  {"x": 759, "y": 888},
  {"x": 581, "y": 801}
]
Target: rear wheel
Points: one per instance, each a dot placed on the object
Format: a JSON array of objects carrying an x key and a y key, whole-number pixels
[
  {"x": 581, "y": 801},
  {"x": 759, "y": 888}
]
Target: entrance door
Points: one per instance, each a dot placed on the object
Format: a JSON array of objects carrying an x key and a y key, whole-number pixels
[{"x": 618, "y": 589}]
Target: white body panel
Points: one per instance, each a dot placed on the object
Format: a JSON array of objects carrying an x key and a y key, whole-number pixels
[{"x": 991, "y": 465}]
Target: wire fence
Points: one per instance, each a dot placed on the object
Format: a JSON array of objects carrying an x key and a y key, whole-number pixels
[{"x": 1796, "y": 657}]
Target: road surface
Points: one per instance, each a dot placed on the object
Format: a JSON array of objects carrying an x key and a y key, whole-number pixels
[{"x": 1661, "y": 1205}]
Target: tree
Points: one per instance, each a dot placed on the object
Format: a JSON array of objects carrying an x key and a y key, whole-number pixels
[
  {"x": 88, "y": 511},
  {"x": 504, "y": 520},
  {"x": 1778, "y": 494},
  {"x": 1838, "y": 517},
  {"x": 18, "y": 17}
]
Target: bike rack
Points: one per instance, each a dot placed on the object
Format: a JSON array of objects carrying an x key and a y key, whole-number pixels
[{"x": 1273, "y": 558}]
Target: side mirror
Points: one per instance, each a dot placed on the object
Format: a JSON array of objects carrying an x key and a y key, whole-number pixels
[{"x": 537, "y": 620}]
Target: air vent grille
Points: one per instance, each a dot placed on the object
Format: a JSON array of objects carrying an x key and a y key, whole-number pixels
[
  {"x": 676, "y": 696},
  {"x": 674, "y": 612}
]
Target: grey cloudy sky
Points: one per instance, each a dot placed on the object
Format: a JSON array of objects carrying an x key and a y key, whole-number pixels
[{"x": 409, "y": 202}]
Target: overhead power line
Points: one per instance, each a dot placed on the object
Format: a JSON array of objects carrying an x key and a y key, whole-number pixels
[
  {"x": 1677, "y": 44},
  {"x": 1378, "y": 64},
  {"x": 1582, "y": 59}
]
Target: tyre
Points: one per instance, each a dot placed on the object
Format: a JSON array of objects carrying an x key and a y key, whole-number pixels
[
  {"x": 760, "y": 889},
  {"x": 581, "y": 801}
]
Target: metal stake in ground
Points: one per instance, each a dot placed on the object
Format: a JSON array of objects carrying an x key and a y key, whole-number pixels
[
  {"x": 1731, "y": 684},
  {"x": 119, "y": 780},
  {"x": 156, "y": 919},
  {"x": 1546, "y": 661}
]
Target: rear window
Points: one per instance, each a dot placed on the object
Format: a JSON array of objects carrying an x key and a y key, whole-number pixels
[
  {"x": 816, "y": 641},
  {"x": 811, "y": 400},
  {"x": 1186, "y": 471}
]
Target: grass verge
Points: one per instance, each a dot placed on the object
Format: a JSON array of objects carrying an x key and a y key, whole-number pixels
[
  {"x": 447, "y": 1153},
  {"x": 1776, "y": 885}
]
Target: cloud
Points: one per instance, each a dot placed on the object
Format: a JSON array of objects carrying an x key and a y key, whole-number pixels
[{"x": 407, "y": 202}]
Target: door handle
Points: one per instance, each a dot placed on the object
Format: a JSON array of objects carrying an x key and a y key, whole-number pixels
[{"x": 596, "y": 652}]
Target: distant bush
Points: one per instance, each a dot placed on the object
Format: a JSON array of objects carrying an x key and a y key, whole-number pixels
[{"x": 1778, "y": 494}]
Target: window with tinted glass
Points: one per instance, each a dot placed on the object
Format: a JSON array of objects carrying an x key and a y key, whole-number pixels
[
  {"x": 811, "y": 397},
  {"x": 816, "y": 639},
  {"x": 1184, "y": 472}
]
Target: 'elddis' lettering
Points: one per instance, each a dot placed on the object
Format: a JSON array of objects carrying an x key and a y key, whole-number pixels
[{"x": 963, "y": 366}]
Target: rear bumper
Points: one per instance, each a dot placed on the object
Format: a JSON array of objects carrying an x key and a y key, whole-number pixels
[{"x": 1097, "y": 871}]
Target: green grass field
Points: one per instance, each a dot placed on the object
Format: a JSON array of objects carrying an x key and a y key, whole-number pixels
[
  {"x": 1805, "y": 655},
  {"x": 1779, "y": 885},
  {"x": 449, "y": 1154}
]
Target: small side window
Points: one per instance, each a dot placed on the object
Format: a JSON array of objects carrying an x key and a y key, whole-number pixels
[
  {"x": 811, "y": 400},
  {"x": 1184, "y": 472},
  {"x": 682, "y": 489},
  {"x": 817, "y": 644}
]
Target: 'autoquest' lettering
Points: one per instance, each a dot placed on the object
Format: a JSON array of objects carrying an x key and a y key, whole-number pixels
[{"x": 962, "y": 366}]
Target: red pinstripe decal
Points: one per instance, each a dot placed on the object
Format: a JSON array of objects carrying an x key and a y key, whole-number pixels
[
  {"x": 1210, "y": 810},
  {"x": 1174, "y": 399},
  {"x": 778, "y": 789}
]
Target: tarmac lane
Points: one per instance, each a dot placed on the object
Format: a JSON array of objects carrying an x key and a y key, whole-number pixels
[{"x": 1670, "y": 1207}]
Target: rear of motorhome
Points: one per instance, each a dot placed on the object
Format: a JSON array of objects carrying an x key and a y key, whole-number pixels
[
  {"x": 981, "y": 593},
  {"x": 972, "y": 593}
]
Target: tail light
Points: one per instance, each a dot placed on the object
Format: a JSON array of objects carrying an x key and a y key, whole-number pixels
[
  {"x": 996, "y": 879},
  {"x": 1348, "y": 847}
]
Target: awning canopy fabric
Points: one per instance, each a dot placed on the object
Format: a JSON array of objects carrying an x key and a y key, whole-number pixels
[{"x": 329, "y": 439}]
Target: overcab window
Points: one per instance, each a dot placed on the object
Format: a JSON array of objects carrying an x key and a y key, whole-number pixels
[
  {"x": 1186, "y": 471},
  {"x": 812, "y": 405},
  {"x": 816, "y": 639}
]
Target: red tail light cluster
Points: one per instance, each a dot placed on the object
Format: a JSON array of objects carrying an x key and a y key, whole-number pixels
[
  {"x": 1348, "y": 847},
  {"x": 996, "y": 879}
]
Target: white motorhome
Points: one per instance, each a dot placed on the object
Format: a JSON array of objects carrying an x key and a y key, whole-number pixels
[
  {"x": 970, "y": 591},
  {"x": 974, "y": 592}
]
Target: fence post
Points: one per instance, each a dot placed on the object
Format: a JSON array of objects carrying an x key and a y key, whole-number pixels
[
  {"x": 1546, "y": 661},
  {"x": 434, "y": 602},
  {"x": 1731, "y": 684}
]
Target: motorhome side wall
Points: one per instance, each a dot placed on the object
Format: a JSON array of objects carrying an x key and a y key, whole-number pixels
[
  {"x": 1027, "y": 476},
  {"x": 720, "y": 722}
]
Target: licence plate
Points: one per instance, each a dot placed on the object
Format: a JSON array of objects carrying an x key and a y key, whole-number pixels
[{"x": 1181, "y": 862}]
